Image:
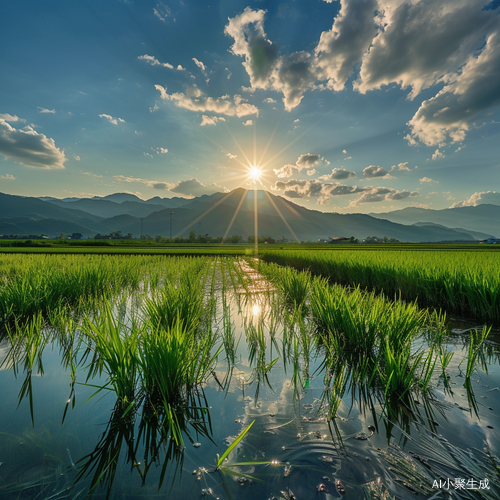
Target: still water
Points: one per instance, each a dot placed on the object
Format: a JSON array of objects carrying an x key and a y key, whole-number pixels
[{"x": 291, "y": 451}]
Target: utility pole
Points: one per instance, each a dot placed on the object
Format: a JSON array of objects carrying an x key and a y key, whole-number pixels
[{"x": 170, "y": 214}]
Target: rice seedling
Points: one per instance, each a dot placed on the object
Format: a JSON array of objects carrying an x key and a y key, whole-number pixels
[
  {"x": 476, "y": 352},
  {"x": 115, "y": 352},
  {"x": 462, "y": 282}
]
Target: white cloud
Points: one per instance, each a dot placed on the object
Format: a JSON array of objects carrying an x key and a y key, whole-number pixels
[
  {"x": 338, "y": 174},
  {"x": 269, "y": 100},
  {"x": 44, "y": 110},
  {"x": 28, "y": 147},
  {"x": 146, "y": 182},
  {"x": 199, "y": 64},
  {"x": 7, "y": 177},
  {"x": 248, "y": 123},
  {"x": 479, "y": 198},
  {"x": 211, "y": 120},
  {"x": 343, "y": 46},
  {"x": 344, "y": 151},
  {"x": 193, "y": 187},
  {"x": 230, "y": 156},
  {"x": 247, "y": 30},
  {"x": 91, "y": 174},
  {"x": 194, "y": 100},
  {"x": 419, "y": 42},
  {"x": 294, "y": 188},
  {"x": 374, "y": 171},
  {"x": 161, "y": 150},
  {"x": 154, "y": 62},
  {"x": 307, "y": 160},
  {"x": 428, "y": 180},
  {"x": 438, "y": 154},
  {"x": 111, "y": 119},
  {"x": 162, "y": 12},
  {"x": 148, "y": 154},
  {"x": 468, "y": 93},
  {"x": 403, "y": 166},
  {"x": 76, "y": 157},
  {"x": 311, "y": 172},
  {"x": 180, "y": 68},
  {"x": 10, "y": 118},
  {"x": 375, "y": 195}
]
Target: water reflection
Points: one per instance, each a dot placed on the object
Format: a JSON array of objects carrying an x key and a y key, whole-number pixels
[{"x": 324, "y": 420}]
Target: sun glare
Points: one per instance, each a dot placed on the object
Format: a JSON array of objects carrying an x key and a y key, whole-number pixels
[{"x": 254, "y": 173}]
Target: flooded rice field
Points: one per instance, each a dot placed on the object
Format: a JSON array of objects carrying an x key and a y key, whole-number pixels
[{"x": 90, "y": 408}]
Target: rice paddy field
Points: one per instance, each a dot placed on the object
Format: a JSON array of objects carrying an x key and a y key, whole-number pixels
[{"x": 364, "y": 374}]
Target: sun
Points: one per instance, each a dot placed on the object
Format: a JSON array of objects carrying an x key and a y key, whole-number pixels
[{"x": 254, "y": 173}]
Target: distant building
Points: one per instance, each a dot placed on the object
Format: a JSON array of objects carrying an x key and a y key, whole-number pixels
[
  {"x": 77, "y": 236},
  {"x": 492, "y": 240},
  {"x": 338, "y": 239}
]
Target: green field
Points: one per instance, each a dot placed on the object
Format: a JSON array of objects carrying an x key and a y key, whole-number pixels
[{"x": 305, "y": 349}]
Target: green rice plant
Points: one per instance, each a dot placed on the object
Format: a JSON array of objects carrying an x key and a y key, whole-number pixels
[
  {"x": 464, "y": 282},
  {"x": 183, "y": 303},
  {"x": 115, "y": 353},
  {"x": 28, "y": 341},
  {"x": 232, "y": 446},
  {"x": 476, "y": 351}
]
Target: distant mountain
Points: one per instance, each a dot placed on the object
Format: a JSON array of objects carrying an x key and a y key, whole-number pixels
[
  {"x": 211, "y": 215},
  {"x": 475, "y": 234},
  {"x": 483, "y": 218},
  {"x": 106, "y": 208}
]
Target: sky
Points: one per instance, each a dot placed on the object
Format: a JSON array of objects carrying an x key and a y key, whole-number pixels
[{"x": 346, "y": 106}]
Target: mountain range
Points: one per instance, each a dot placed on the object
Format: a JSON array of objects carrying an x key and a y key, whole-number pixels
[{"x": 213, "y": 214}]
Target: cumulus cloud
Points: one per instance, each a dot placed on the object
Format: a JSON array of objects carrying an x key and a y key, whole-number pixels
[
  {"x": 10, "y": 118},
  {"x": 250, "y": 42},
  {"x": 7, "y": 177},
  {"x": 305, "y": 161},
  {"x": 374, "y": 171},
  {"x": 338, "y": 174},
  {"x": 154, "y": 62},
  {"x": 402, "y": 166},
  {"x": 44, "y": 110},
  {"x": 419, "y": 42},
  {"x": 473, "y": 90},
  {"x": 375, "y": 195},
  {"x": 424, "y": 180},
  {"x": 194, "y": 100},
  {"x": 111, "y": 119},
  {"x": 341, "y": 48},
  {"x": 438, "y": 154},
  {"x": 311, "y": 172},
  {"x": 269, "y": 100},
  {"x": 415, "y": 44},
  {"x": 211, "y": 120},
  {"x": 248, "y": 123},
  {"x": 161, "y": 150},
  {"x": 479, "y": 198},
  {"x": 28, "y": 147},
  {"x": 294, "y": 188},
  {"x": 193, "y": 187}
]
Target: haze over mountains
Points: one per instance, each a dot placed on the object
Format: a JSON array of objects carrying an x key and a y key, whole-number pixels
[{"x": 212, "y": 215}]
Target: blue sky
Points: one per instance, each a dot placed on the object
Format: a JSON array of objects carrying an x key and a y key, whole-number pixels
[{"x": 350, "y": 106}]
